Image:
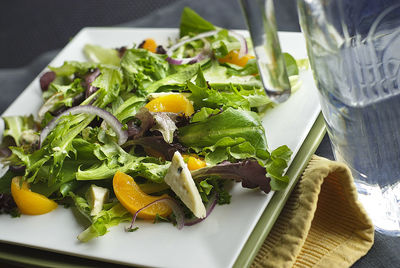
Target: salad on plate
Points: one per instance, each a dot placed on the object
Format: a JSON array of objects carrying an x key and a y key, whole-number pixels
[{"x": 151, "y": 131}]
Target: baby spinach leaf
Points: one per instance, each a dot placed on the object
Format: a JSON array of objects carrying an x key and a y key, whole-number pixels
[{"x": 233, "y": 123}]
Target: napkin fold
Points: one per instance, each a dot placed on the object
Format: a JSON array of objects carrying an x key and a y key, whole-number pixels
[{"x": 322, "y": 224}]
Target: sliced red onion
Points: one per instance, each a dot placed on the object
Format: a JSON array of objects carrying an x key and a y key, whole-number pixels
[
  {"x": 108, "y": 117},
  {"x": 172, "y": 203},
  {"x": 202, "y": 55},
  {"x": 212, "y": 202},
  {"x": 243, "y": 43}
]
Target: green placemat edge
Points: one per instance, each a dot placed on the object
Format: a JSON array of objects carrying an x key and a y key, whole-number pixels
[
  {"x": 22, "y": 256},
  {"x": 271, "y": 213}
]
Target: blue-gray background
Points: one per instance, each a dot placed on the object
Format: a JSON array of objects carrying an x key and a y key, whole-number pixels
[{"x": 32, "y": 32}]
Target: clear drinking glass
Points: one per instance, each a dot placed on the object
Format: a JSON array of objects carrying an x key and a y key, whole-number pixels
[{"x": 354, "y": 52}]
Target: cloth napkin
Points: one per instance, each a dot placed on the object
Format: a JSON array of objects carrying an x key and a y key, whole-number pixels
[{"x": 322, "y": 224}]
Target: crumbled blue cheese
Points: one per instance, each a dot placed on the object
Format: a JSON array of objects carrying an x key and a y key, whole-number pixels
[
  {"x": 180, "y": 180},
  {"x": 97, "y": 196}
]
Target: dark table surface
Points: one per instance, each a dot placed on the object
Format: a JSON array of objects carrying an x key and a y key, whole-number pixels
[{"x": 32, "y": 33}]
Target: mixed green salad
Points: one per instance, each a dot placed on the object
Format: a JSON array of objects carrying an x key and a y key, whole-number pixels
[{"x": 151, "y": 131}]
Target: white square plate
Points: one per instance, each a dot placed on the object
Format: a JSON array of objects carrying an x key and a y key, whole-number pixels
[{"x": 218, "y": 240}]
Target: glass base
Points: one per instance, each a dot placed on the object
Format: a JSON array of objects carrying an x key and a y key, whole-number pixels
[{"x": 382, "y": 206}]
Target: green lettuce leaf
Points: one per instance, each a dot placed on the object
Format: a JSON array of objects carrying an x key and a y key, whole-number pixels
[
  {"x": 60, "y": 95},
  {"x": 110, "y": 83},
  {"x": 203, "y": 114},
  {"x": 223, "y": 43},
  {"x": 218, "y": 77},
  {"x": 291, "y": 64},
  {"x": 192, "y": 23},
  {"x": 59, "y": 143},
  {"x": 102, "y": 55},
  {"x": 103, "y": 221},
  {"x": 57, "y": 146},
  {"x": 68, "y": 90},
  {"x": 129, "y": 108},
  {"x": 276, "y": 165},
  {"x": 249, "y": 69},
  {"x": 113, "y": 158},
  {"x": 227, "y": 95},
  {"x": 20, "y": 129},
  {"x": 142, "y": 68},
  {"x": 72, "y": 67},
  {"x": 175, "y": 80}
]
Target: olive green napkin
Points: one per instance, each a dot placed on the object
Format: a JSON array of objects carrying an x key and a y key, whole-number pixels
[{"x": 322, "y": 224}]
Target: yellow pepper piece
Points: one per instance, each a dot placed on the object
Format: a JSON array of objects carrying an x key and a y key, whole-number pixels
[
  {"x": 233, "y": 57},
  {"x": 174, "y": 103},
  {"x": 29, "y": 202},
  {"x": 133, "y": 198}
]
